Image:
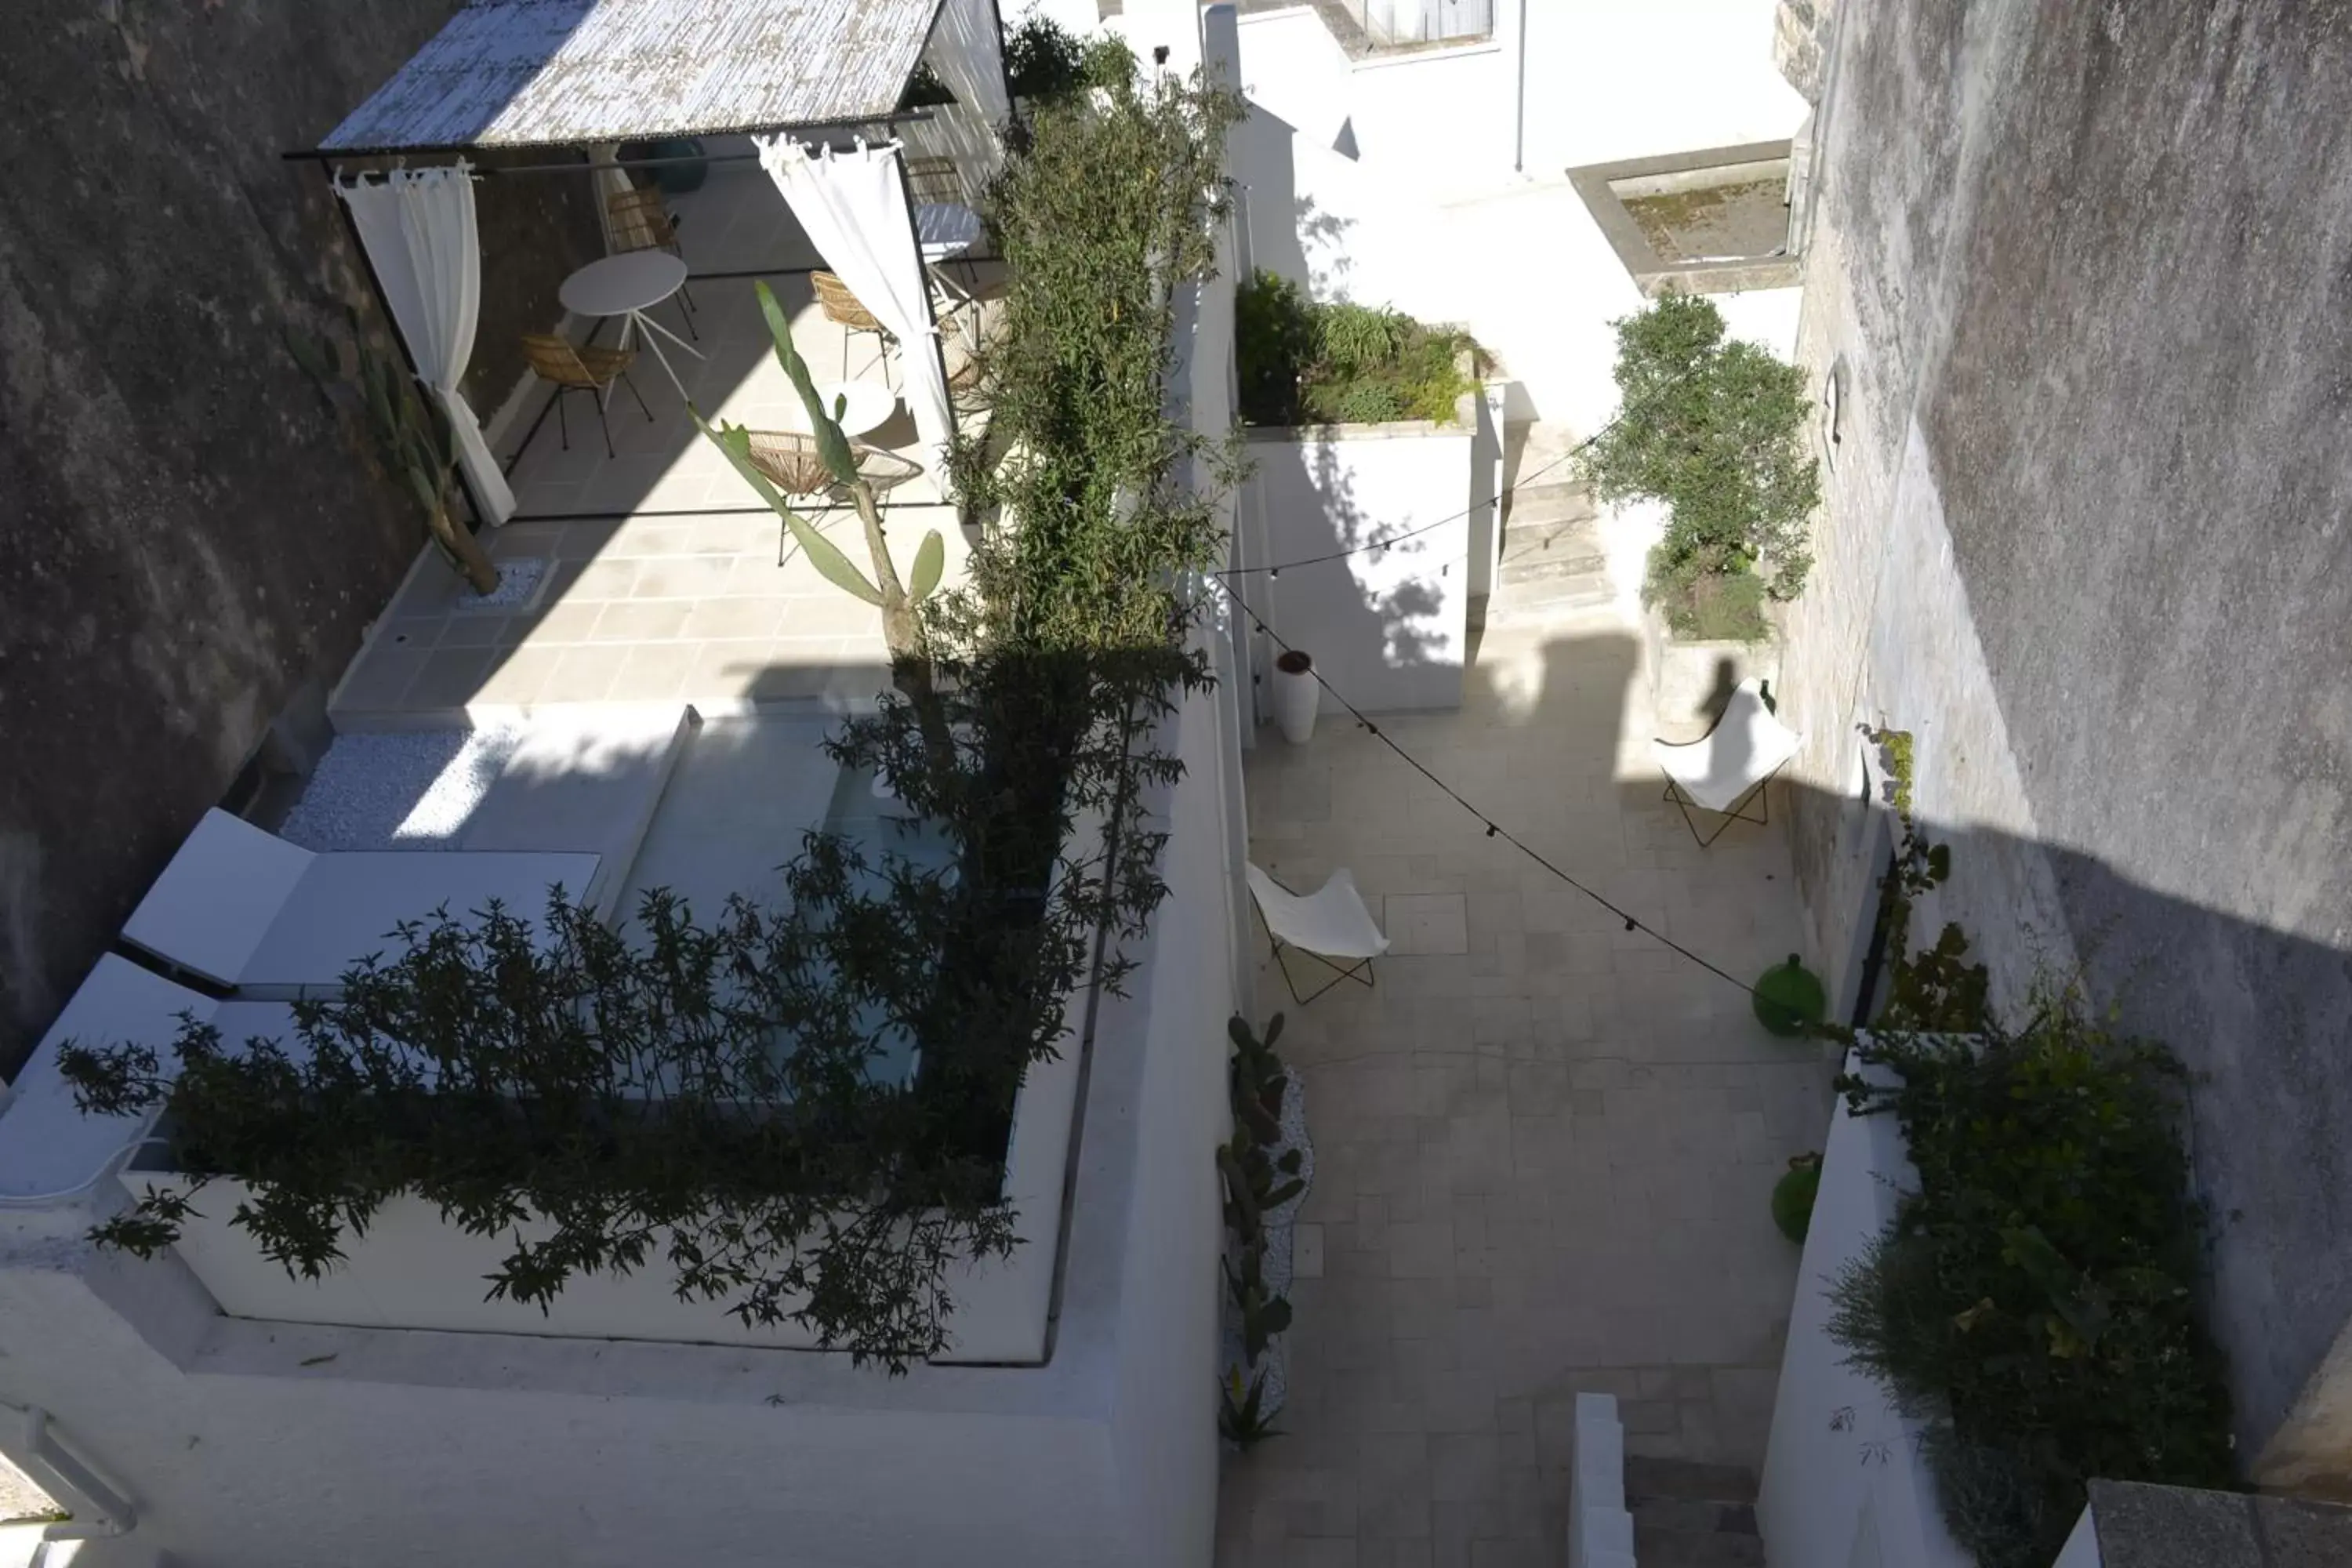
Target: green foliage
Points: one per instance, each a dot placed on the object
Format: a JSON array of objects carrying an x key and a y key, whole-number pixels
[
  {"x": 1301, "y": 362},
  {"x": 1789, "y": 998},
  {"x": 1043, "y": 59},
  {"x": 902, "y": 629},
  {"x": 2035, "y": 1295},
  {"x": 702, "y": 1095},
  {"x": 1242, "y": 1418},
  {"x": 408, "y": 432},
  {"x": 1793, "y": 1195},
  {"x": 2034, "y": 1300},
  {"x": 1714, "y": 429},
  {"x": 1706, "y": 596},
  {"x": 1256, "y": 1180},
  {"x": 412, "y": 437}
]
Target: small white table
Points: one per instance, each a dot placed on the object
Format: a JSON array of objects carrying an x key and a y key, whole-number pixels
[
  {"x": 865, "y": 407},
  {"x": 627, "y": 285}
]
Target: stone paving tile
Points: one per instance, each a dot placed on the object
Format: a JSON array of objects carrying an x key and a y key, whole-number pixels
[{"x": 1544, "y": 1144}]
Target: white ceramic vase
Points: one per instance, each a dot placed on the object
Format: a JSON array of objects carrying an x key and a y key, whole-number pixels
[{"x": 1296, "y": 694}]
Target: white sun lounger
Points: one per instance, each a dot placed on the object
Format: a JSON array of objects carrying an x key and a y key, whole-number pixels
[
  {"x": 48, "y": 1149},
  {"x": 1329, "y": 924},
  {"x": 1739, "y": 757},
  {"x": 243, "y": 908}
]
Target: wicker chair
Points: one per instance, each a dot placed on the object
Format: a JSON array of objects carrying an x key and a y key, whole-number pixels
[
  {"x": 790, "y": 460},
  {"x": 966, "y": 394},
  {"x": 842, "y": 308},
  {"x": 571, "y": 368},
  {"x": 641, "y": 220}
]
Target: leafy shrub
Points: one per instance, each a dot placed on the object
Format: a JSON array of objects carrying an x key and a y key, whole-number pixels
[
  {"x": 1043, "y": 59},
  {"x": 1304, "y": 362},
  {"x": 1714, "y": 430},
  {"x": 1793, "y": 1195},
  {"x": 1706, "y": 596},
  {"x": 2033, "y": 1298}
]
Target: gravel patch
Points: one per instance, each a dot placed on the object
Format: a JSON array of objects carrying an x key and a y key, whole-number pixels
[
  {"x": 403, "y": 790},
  {"x": 518, "y": 584}
]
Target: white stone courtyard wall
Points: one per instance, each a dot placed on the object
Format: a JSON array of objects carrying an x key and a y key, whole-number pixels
[
  {"x": 1843, "y": 1480},
  {"x": 1390, "y": 180},
  {"x": 1388, "y": 629}
]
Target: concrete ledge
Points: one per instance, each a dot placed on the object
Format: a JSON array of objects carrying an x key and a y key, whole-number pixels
[{"x": 1653, "y": 273}]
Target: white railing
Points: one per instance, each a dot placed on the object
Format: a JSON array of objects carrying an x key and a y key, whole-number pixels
[{"x": 1392, "y": 23}]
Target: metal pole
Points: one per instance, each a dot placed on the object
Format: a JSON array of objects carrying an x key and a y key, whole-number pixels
[
  {"x": 906, "y": 194},
  {"x": 376, "y": 287},
  {"x": 327, "y": 154}
]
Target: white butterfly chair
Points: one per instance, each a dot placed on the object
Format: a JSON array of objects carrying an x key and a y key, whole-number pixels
[
  {"x": 1328, "y": 924},
  {"x": 1729, "y": 769}
]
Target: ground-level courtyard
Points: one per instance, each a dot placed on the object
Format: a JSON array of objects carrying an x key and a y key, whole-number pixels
[{"x": 1544, "y": 1144}]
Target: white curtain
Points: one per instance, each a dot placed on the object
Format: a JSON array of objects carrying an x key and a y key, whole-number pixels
[
  {"x": 853, "y": 207},
  {"x": 966, "y": 51},
  {"x": 417, "y": 226}
]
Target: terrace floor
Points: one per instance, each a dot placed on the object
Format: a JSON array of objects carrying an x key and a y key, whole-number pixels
[
  {"x": 1544, "y": 1145},
  {"x": 663, "y": 580}
]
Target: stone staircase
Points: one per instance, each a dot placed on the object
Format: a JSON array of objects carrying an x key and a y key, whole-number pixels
[
  {"x": 1690, "y": 1515},
  {"x": 1552, "y": 558}
]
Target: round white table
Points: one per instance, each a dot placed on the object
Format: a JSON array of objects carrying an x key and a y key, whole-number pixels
[
  {"x": 864, "y": 406},
  {"x": 627, "y": 285},
  {"x": 947, "y": 231}
]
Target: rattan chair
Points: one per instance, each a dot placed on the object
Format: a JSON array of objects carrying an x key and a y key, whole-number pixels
[
  {"x": 641, "y": 220},
  {"x": 967, "y": 394},
  {"x": 842, "y": 308},
  {"x": 571, "y": 368},
  {"x": 790, "y": 460}
]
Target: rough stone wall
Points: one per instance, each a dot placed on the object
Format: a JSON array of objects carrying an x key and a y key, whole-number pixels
[
  {"x": 2088, "y": 269},
  {"x": 1801, "y": 34},
  {"x": 190, "y": 537}
]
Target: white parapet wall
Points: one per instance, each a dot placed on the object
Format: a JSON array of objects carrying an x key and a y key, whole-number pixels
[
  {"x": 1387, "y": 626},
  {"x": 1843, "y": 1478},
  {"x": 1600, "y": 1530}
]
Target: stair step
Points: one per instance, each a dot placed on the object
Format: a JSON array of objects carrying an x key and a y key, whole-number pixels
[
  {"x": 1694, "y": 1549},
  {"x": 1538, "y": 568},
  {"x": 1694, "y": 1516},
  {"x": 1647, "y": 1478}
]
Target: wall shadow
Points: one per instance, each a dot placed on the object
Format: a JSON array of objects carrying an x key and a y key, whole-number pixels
[
  {"x": 1387, "y": 623},
  {"x": 2257, "y": 1016}
]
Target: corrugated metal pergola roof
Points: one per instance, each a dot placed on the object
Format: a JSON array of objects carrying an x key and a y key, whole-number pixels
[{"x": 567, "y": 73}]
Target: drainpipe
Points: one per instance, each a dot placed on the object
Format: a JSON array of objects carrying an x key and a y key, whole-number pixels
[{"x": 1519, "y": 117}]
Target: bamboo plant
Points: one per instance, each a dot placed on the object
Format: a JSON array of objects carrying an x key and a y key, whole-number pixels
[{"x": 411, "y": 438}]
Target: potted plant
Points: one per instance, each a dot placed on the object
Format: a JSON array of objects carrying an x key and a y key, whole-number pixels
[
  {"x": 1789, "y": 999},
  {"x": 1793, "y": 1195},
  {"x": 413, "y": 440},
  {"x": 1296, "y": 694}
]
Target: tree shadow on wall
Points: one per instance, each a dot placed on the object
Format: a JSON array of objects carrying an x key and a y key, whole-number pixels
[{"x": 1384, "y": 621}]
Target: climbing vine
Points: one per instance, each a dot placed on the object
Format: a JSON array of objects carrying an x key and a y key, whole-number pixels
[{"x": 801, "y": 1111}]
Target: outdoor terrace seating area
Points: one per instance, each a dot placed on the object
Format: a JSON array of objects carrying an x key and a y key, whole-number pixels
[{"x": 664, "y": 576}]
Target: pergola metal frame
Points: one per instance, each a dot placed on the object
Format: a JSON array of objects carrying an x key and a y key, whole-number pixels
[{"x": 331, "y": 160}]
